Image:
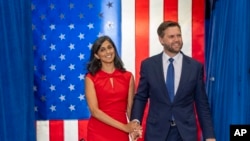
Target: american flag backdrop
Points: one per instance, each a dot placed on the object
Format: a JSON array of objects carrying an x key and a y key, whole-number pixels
[{"x": 63, "y": 32}]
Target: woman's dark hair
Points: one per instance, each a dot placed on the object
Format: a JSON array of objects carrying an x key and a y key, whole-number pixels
[{"x": 95, "y": 64}]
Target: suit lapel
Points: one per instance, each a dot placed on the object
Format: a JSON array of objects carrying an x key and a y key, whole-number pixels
[
  {"x": 159, "y": 69},
  {"x": 160, "y": 75}
]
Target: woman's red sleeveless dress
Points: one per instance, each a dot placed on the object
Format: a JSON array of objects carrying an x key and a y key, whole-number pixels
[{"x": 112, "y": 99}]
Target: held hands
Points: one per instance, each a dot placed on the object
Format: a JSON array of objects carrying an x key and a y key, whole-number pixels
[{"x": 137, "y": 131}]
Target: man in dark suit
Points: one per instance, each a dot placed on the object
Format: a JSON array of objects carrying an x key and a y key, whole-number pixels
[{"x": 172, "y": 117}]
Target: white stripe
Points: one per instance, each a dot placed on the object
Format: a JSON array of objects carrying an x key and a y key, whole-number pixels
[
  {"x": 128, "y": 34},
  {"x": 156, "y": 17},
  {"x": 185, "y": 20},
  {"x": 70, "y": 130},
  {"x": 42, "y": 130}
]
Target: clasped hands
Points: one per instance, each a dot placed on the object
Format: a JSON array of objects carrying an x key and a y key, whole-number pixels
[{"x": 136, "y": 130}]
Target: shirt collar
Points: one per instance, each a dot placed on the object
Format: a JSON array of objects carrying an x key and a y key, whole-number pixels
[{"x": 176, "y": 57}]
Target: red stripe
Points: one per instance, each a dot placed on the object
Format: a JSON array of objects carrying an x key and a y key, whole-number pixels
[
  {"x": 198, "y": 38},
  {"x": 82, "y": 129},
  {"x": 141, "y": 34},
  {"x": 171, "y": 10},
  {"x": 141, "y": 40},
  {"x": 56, "y": 130},
  {"x": 198, "y": 29}
]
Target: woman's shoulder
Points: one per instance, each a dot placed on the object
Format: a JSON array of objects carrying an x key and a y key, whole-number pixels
[
  {"x": 89, "y": 75},
  {"x": 125, "y": 73}
]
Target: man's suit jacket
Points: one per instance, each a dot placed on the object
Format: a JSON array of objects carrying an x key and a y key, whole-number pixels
[{"x": 191, "y": 89}]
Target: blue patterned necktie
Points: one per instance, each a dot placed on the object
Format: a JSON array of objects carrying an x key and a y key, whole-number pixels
[{"x": 170, "y": 79}]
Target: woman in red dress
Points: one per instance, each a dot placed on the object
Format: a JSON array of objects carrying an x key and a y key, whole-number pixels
[{"x": 109, "y": 91}]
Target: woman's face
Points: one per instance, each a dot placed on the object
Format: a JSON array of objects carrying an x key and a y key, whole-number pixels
[{"x": 106, "y": 53}]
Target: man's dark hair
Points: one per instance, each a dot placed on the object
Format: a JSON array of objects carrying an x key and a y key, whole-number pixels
[{"x": 166, "y": 24}]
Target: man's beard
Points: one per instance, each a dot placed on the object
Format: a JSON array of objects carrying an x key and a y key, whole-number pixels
[{"x": 172, "y": 50}]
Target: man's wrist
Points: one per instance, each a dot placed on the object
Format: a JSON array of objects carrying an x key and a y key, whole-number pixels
[{"x": 136, "y": 120}]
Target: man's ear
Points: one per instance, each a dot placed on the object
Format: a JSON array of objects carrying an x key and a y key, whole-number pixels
[{"x": 160, "y": 39}]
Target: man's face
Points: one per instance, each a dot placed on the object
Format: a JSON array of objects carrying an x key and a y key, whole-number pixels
[{"x": 172, "y": 40}]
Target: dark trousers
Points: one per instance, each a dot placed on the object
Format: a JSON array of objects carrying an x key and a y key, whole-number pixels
[{"x": 173, "y": 134}]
